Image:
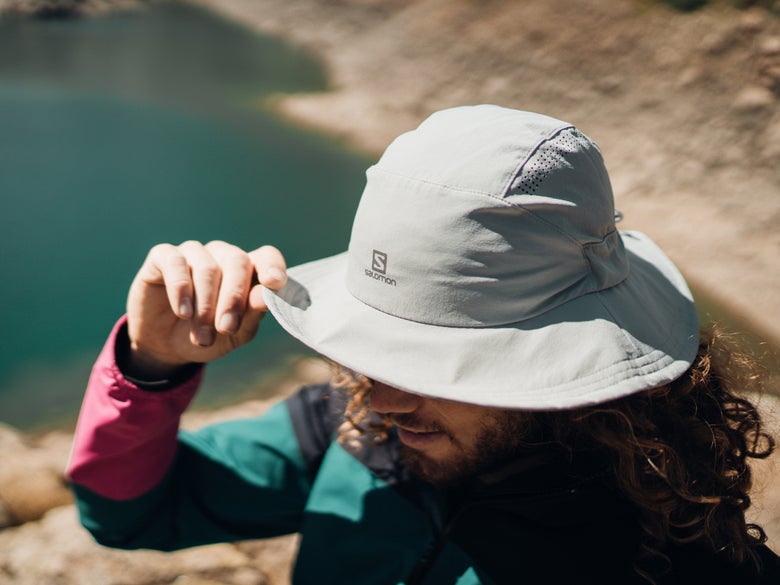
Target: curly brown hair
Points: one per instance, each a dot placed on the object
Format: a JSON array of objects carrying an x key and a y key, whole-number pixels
[{"x": 679, "y": 453}]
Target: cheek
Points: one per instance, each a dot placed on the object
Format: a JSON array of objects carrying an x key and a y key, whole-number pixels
[{"x": 467, "y": 425}]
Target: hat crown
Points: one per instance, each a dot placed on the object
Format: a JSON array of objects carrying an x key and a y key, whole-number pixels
[{"x": 484, "y": 216}]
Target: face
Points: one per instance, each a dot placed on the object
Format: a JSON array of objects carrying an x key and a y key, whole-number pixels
[{"x": 446, "y": 442}]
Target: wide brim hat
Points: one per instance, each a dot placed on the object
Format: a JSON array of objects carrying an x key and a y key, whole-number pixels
[{"x": 485, "y": 267}]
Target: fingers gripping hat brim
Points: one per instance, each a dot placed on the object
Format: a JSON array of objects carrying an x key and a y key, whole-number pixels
[{"x": 636, "y": 335}]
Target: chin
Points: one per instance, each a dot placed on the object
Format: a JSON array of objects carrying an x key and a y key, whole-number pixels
[{"x": 438, "y": 473}]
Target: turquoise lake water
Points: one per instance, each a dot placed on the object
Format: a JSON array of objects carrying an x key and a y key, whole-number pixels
[{"x": 120, "y": 132}]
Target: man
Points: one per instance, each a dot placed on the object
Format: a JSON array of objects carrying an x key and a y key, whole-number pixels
[{"x": 524, "y": 396}]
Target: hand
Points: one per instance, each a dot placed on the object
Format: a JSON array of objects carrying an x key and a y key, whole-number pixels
[{"x": 196, "y": 303}]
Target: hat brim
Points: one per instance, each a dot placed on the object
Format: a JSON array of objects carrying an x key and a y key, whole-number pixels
[{"x": 637, "y": 335}]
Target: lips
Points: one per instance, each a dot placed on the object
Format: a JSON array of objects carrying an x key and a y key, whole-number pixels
[{"x": 418, "y": 439}]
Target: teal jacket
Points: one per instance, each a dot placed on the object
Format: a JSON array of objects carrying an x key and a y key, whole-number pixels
[{"x": 363, "y": 519}]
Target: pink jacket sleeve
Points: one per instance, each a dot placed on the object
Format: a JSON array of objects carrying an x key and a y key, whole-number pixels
[{"x": 125, "y": 439}]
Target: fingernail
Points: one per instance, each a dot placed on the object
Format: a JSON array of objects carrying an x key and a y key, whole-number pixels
[
  {"x": 229, "y": 322},
  {"x": 185, "y": 309},
  {"x": 205, "y": 336}
]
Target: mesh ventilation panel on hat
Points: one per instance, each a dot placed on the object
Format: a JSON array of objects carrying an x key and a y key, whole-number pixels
[{"x": 548, "y": 157}]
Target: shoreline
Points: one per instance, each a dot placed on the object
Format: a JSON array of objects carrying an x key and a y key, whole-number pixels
[{"x": 657, "y": 91}]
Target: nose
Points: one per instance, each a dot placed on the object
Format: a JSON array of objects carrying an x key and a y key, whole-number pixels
[{"x": 385, "y": 399}]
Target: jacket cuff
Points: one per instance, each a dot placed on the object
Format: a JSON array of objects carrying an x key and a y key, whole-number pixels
[{"x": 126, "y": 437}]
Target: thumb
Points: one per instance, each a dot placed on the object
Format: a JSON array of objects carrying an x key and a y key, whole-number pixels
[
  {"x": 271, "y": 272},
  {"x": 256, "y": 302}
]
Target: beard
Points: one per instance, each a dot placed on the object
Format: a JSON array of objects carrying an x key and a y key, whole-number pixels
[{"x": 499, "y": 439}]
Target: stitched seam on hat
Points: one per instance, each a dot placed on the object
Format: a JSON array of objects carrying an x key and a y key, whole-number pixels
[
  {"x": 530, "y": 154},
  {"x": 497, "y": 199},
  {"x": 610, "y": 375},
  {"x": 519, "y": 170},
  {"x": 637, "y": 351},
  {"x": 595, "y": 378},
  {"x": 443, "y": 186},
  {"x": 584, "y": 248},
  {"x": 620, "y": 325},
  {"x": 677, "y": 343}
]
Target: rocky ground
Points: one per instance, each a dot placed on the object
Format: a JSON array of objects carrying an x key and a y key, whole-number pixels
[{"x": 685, "y": 108}]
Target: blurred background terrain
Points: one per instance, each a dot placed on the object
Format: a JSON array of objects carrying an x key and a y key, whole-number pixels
[{"x": 124, "y": 123}]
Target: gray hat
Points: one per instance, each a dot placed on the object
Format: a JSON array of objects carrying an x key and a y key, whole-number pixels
[{"x": 485, "y": 267}]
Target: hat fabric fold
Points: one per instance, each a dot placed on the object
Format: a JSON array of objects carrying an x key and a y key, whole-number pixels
[{"x": 484, "y": 266}]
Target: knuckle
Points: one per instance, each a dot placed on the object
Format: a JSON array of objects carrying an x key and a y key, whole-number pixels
[
  {"x": 205, "y": 310},
  {"x": 203, "y": 264},
  {"x": 179, "y": 285},
  {"x": 238, "y": 262},
  {"x": 232, "y": 300},
  {"x": 206, "y": 288},
  {"x": 220, "y": 246},
  {"x": 269, "y": 255},
  {"x": 175, "y": 259},
  {"x": 160, "y": 251},
  {"x": 211, "y": 266},
  {"x": 225, "y": 251},
  {"x": 161, "y": 247}
]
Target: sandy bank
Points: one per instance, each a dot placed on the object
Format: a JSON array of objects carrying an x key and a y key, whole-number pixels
[{"x": 684, "y": 106}]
